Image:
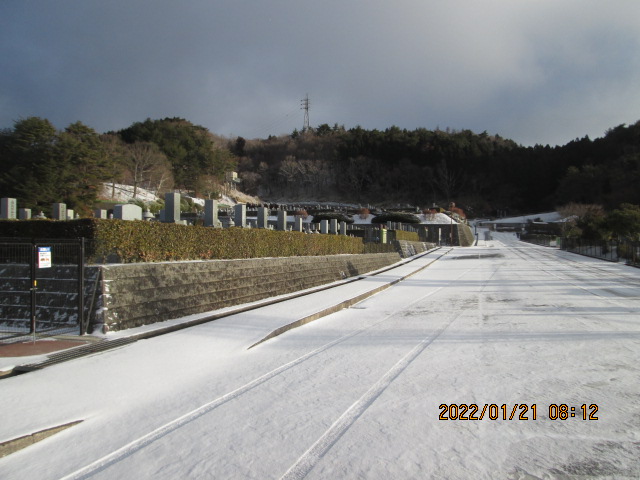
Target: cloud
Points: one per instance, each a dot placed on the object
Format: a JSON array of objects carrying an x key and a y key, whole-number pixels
[{"x": 537, "y": 72}]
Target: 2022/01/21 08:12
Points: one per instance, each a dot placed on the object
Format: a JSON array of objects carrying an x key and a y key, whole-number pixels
[{"x": 518, "y": 411}]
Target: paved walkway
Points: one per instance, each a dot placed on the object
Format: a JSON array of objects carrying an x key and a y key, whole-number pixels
[{"x": 39, "y": 347}]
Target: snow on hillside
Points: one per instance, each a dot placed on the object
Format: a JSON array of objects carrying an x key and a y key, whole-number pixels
[{"x": 119, "y": 192}]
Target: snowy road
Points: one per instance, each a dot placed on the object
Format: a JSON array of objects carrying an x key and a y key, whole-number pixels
[{"x": 358, "y": 394}]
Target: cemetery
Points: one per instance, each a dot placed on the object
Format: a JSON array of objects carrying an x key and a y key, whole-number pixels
[{"x": 138, "y": 268}]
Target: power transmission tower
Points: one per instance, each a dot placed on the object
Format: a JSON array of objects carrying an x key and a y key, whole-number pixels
[{"x": 305, "y": 106}]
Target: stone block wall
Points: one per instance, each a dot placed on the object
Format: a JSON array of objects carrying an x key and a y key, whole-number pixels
[
  {"x": 466, "y": 238},
  {"x": 140, "y": 294},
  {"x": 408, "y": 248}
]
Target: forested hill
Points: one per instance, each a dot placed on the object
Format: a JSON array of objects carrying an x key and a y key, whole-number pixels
[{"x": 482, "y": 173}]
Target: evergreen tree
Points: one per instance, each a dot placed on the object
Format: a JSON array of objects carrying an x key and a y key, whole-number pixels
[
  {"x": 81, "y": 166},
  {"x": 29, "y": 167}
]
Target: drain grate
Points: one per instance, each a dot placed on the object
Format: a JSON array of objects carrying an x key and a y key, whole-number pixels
[{"x": 74, "y": 353}]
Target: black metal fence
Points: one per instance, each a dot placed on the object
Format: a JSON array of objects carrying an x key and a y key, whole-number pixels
[
  {"x": 544, "y": 240},
  {"x": 610, "y": 250},
  {"x": 41, "y": 288},
  {"x": 613, "y": 251}
]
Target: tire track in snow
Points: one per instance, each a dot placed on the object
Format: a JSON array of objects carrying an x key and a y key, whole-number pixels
[
  {"x": 312, "y": 456},
  {"x": 132, "y": 447},
  {"x": 147, "y": 439}
]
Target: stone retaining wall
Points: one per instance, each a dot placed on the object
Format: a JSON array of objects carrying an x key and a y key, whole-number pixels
[
  {"x": 144, "y": 293},
  {"x": 441, "y": 233},
  {"x": 407, "y": 248}
]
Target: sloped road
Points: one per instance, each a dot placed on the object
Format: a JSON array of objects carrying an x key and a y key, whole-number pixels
[{"x": 361, "y": 393}]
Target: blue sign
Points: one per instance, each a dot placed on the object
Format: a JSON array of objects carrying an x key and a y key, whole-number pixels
[{"x": 44, "y": 257}]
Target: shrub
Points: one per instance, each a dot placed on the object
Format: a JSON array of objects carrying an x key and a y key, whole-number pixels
[
  {"x": 408, "y": 236},
  {"x": 396, "y": 217},
  {"x": 341, "y": 217},
  {"x": 302, "y": 213}
]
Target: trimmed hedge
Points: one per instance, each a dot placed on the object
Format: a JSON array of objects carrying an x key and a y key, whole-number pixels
[
  {"x": 408, "y": 236},
  {"x": 340, "y": 217},
  {"x": 140, "y": 241},
  {"x": 47, "y": 228}
]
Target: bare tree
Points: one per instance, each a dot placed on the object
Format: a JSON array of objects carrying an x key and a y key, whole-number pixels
[
  {"x": 357, "y": 174},
  {"x": 449, "y": 180},
  {"x": 115, "y": 150},
  {"x": 572, "y": 213},
  {"x": 144, "y": 160},
  {"x": 210, "y": 186},
  {"x": 291, "y": 171}
]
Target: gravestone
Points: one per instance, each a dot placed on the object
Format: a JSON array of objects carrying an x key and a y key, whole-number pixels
[
  {"x": 99, "y": 213},
  {"x": 282, "y": 220},
  {"x": 263, "y": 217},
  {"x": 70, "y": 214},
  {"x": 333, "y": 226},
  {"x": 24, "y": 214},
  {"x": 127, "y": 212},
  {"x": 324, "y": 226},
  {"x": 171, "y": 208},
  {"x": 240, "y": 215},
  {"x": 343, "y": 228},
  {"x": 8, "y": 208},
  {"x": 297, "y": 224},
  {"x": 59, "y": 211},
  {"x": 211, "y": 214}
]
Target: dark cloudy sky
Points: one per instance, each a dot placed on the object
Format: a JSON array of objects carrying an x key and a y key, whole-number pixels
[{"x": 535, "y": 71}]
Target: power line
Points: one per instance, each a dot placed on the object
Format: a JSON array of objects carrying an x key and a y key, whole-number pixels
[
  {"x": 271, "y": 126},
  {"x": 274, "y": 125}
]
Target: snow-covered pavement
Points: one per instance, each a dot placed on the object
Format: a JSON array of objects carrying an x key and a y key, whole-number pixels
[{"x": 360, "y": 393}]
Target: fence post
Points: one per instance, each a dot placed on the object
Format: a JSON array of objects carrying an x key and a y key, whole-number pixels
[
  {"x": 83, "y": 327},
  {"x": 34, "y": 284}
]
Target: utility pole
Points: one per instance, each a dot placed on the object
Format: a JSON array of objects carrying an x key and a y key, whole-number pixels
[{"x": 305, "y": 106}]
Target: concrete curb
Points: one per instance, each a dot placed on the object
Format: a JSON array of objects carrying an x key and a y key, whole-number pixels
[
  {"x": 16, "y": 444},
  {"x": 344, "y": 304}
]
